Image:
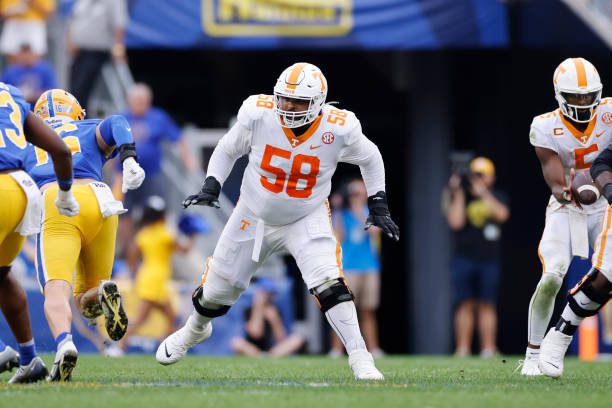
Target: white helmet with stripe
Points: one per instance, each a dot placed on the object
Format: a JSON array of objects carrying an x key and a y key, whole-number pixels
[
  {"x": 577, "y": 89},
  {"x": 300, "y": 81}
]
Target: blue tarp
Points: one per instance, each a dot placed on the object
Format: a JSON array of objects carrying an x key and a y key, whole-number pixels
[{"x": 317, "y": 24}]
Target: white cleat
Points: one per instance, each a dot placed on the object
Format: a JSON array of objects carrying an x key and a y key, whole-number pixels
[
  {"x": 9, "y": 359},
  {"x": 65, "y": 361},
  {"x": 552, "y": 351},
  {"x": 175, "y": 346},
  {"x": 529, "y": 366},
  {"x": 362, "y": 364}
]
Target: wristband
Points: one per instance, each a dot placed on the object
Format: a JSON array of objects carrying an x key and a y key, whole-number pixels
[
  {"x": 64, "y": 185},
  {"x": 127, "y": 150}
]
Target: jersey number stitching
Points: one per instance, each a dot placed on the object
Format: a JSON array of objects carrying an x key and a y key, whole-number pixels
[
  {"x": 73, "y": 142},
  {"x": 296, "y": 175},
  {"x": 14, "y": 134}
]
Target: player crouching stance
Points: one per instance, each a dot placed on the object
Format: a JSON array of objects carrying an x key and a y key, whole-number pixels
[
  {"x": 294, "y": 142},
  {"x": 86, "y": 242},
  {"x": 593, "y": 291}
]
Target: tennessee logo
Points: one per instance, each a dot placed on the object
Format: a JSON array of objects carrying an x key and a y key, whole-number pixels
[
  {"x": 607, "y": 118},
  {"x": 244, "y": 225},
  {"x": 328, "y": 138}
]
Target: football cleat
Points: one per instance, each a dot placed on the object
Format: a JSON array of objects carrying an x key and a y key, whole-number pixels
[
  {"x": 33, "y": 372},
  {"x": 362, "y": 364},
  {"x": 552, "y": 352},
  {"x": 112, "y": 307},
  {"x": 529, "y": 366},
  {"x": 65, "y": 361},
  {"x": 175, "y": 346},
  {"x": 9, "y": 359}
]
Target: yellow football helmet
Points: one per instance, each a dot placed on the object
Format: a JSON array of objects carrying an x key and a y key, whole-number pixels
[{"x": 57, "y": 102}]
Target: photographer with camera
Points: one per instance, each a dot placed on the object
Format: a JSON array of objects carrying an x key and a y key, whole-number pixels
[{"x": 475, "y": 212}]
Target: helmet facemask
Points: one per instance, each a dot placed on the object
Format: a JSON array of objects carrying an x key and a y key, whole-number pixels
[
  {"x": 579, "y": 107},
  {"x": 294, "y": 119}
]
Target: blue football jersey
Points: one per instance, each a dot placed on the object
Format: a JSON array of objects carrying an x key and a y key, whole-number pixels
[
  {"x": 13, "y": 112},
  {"x": 87, "y": 158}
]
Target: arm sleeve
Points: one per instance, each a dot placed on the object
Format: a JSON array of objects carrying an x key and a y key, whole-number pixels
[
  {"x": 115, "y": 131},
  {"x": 366, "y": 155},
  {"x": 235, "y": 143}
]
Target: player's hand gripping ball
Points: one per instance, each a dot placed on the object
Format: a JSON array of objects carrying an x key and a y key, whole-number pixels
[{"x": 583, "y": 188}]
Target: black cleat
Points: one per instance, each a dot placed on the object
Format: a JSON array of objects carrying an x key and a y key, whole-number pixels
[{"x": 112, "y": 306}]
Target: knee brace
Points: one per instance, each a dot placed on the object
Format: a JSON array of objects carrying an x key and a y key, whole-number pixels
[
  {"x": 586, "y": 300},
  {"x": 209, "y": 309},
  {"x": 331, "y": 293},
  {"x": 4, "y": 271}
]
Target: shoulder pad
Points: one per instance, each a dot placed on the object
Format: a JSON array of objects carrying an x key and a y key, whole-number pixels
[
  {"x": 341, "y": 121},
  {"x": 254, "y": 107}
]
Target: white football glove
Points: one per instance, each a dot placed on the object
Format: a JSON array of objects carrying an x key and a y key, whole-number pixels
[
  {"x": 66, "y": 203},
  {"x": 133, "y": 175}
]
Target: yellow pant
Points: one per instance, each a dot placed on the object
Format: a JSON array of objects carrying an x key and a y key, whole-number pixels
[
  {"x": 12, "y": 207},
  {"x": 85, "y": 243}
]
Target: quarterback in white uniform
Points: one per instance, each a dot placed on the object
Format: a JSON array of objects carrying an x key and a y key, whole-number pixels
[
  {"x": 566, "y": 140},
  {"x": 294, "y": 142}
]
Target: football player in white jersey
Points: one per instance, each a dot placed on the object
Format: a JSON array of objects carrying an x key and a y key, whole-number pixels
[
  {"x": 568, "y": 138},
  {"x": 594, "y": 290},
  {"x": 294, "y": 142}
]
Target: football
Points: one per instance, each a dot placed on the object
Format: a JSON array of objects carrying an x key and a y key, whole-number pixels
[{"x": 584, "y": 187}]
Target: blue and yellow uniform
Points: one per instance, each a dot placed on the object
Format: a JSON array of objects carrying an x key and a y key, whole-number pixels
[
  {"x": 85, "y": 243},
  {"x": 13, "y": 144}
]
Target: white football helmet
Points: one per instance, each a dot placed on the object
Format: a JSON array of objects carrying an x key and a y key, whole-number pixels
[
  {"x": 300, "y": 81},
  {"x": 577, "y": 89}
]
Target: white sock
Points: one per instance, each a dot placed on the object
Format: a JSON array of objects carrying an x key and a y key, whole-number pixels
[
  {"x": 531, "y": 352},
  {"x": 343, "y": 319},
  {"x": 541, "y": 307},
  {"x": 196, "y": 322}
]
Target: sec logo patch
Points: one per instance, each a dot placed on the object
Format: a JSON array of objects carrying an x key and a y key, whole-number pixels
[
  {"x": 607, "y": 118},
  {"x": 328, "y": 138}
]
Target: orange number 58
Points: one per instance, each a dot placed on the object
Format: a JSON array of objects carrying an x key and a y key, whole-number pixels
[
  {"x": 581, "y": 152},
  {"x": 280, "y": 176}
]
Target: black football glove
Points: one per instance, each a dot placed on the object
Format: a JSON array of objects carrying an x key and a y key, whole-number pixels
[
  {"x": 209, "y": 195},
  {"x": 380, "y": 215}
]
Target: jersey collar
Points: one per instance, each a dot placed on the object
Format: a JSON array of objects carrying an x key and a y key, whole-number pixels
[
  {"x": 295, "y": 140},
  {"x": 577, "y": 133}
]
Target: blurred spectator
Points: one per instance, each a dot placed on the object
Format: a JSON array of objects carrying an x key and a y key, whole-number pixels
[
  {"x": 155, "y": 243},
  {"x": 95, "y": 34},
  {"x": 30, "y": 73},
  {"x": 150, "y": 126},
  {"x": 360, "y": 261},
  {"x": 25, "y": 23},
  {"x": 265, "y": 333},
  {"x": 476, "y": 211}
]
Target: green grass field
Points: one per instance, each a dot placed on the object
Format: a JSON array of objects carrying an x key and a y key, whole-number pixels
[{"x": 138, "y": 381}]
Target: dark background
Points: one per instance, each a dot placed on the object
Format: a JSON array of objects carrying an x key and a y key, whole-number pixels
[{"x": 488, "y": 99}]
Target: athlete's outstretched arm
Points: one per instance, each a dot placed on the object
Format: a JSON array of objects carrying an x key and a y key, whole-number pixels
[
  {"x": 601, "y": 173},
  {"x": 41, "y": 135},
  {"x": 552, "y": 170},
  {"x": 366, "y": 155},
  {"x": 115, "y": 131},
  {"x": 235, "y": 143}
]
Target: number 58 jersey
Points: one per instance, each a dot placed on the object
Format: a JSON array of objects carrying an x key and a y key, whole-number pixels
[{"x": 289, "y": 175}]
